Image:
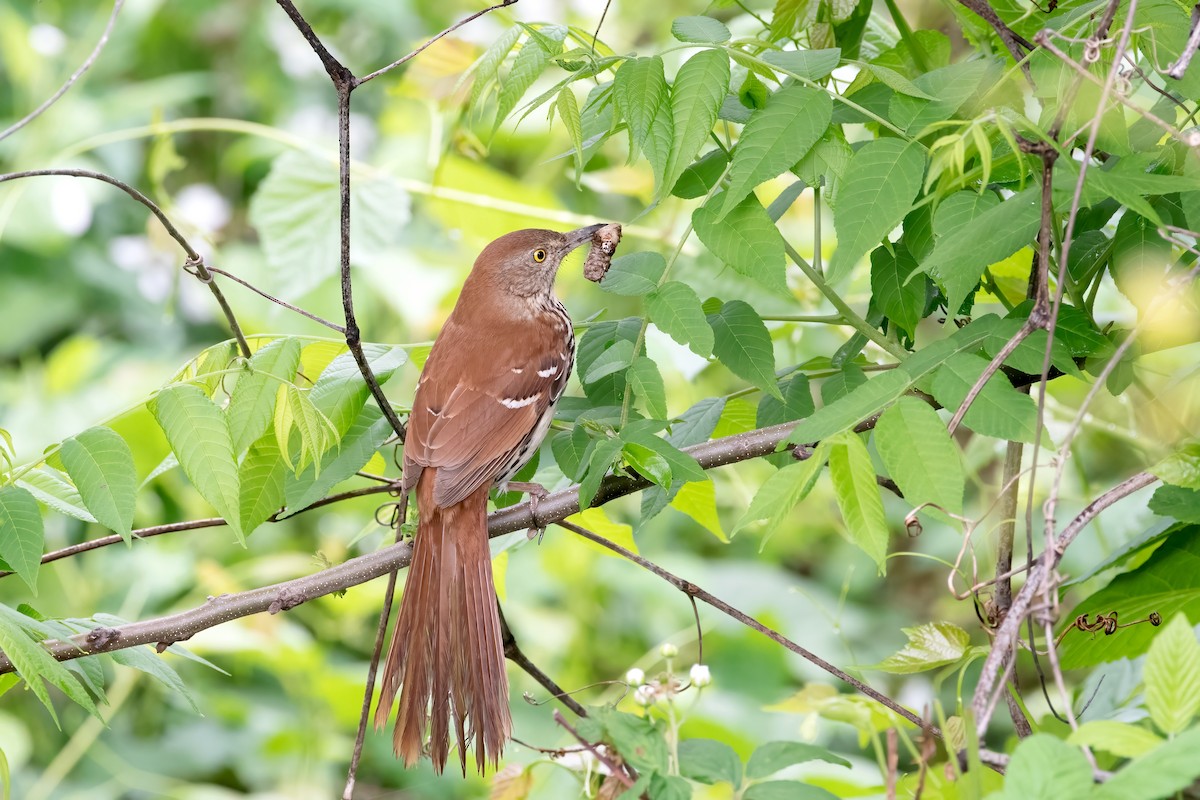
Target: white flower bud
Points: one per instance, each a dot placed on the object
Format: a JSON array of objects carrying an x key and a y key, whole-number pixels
[
  {"x": 635, "y": 677},
  {"x": 645, "y": 695},
  {"x": 668, "y": 650},
  {"x": 700, "y": 675}
]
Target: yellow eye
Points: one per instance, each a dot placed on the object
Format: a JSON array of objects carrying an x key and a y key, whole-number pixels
[{"x": 539, "y": 255}]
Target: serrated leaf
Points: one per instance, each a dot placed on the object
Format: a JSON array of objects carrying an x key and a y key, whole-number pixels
[
  {"x": 696, "y": 425},
  {"x": 876, "y": 193},
  {"x": 530, "y": 63},
  {"x": 1119, "y": 738},
  {"x": 932, "y": 645},
  {"x": 775, "y": 138},
  {"x": 634, "y": 274},
  {"x": 813, "y": 65},
  {"x": 699, "y": 177},
  {"x": 675, "y": 309},
  {"x": 683, "y": 466},
  {"x": 615, "y": 359},
  {"x": 647, "y": 463},
  {"x": 366, "y": 434},
  {"x": 959, "y": 258},
  {"x": 797, "y": 403},
  {"x": 854, "y": 407},
  {"x": 604, "y": 455},
  {"x": 261, "y": 477},
  {"x": 709, "y": 761},
  {"x": 568, "y": 111},
  {"x": 1172, "y": 676},
  {"x": 700, "y": 30},
  {"x": 1169, "y": 768},
  {"x": 783, "y": 490},
  {"x": 696, "y": 96},
  {"x": 570, "y": 450},
  {"x": 920, "y": 455},
  {"x": 52, "y": 489},
  {"x": 341, "y": 392},
  {"x": 901, "y": 300},
  {"x": 253, "y": 400},
  {"x": 746, "y": 239},
  {"x": 742, "y": 343},
  {"x": 34, "y": 664},
  {"x": 22, "y": 535},
  {"x": 488, "y": 65},
  {"x": 100, "y": 463},
  {"x": 640, "y": 90},
  {"x": 999, "y": 410},
  {"x": 858, "y": 497},
  {"x": 296, "y": 213},
  {"x": 772, "y": 757},
  {"x": 1181, "y": 468},
  {"x": 199, "y": 435},
  {"x": 698, "y": 500},
  {"x": 647, "y": 384}
]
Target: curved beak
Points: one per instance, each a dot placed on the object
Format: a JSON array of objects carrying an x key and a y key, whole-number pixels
[{"x": 581, "y": 235}]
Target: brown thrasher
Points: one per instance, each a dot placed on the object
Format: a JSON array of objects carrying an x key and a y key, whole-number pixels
[{"x": 482, "y": 407}]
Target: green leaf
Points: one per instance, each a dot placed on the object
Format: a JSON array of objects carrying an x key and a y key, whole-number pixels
[
  {"x": 675, "y": 309},
  {"x": 787, "y": 790},
  {"x": 199, "y": 435},
  {"x": 797, "y": 403},
  {"x": 699, "y": 177},
  {"x": 900, "y": 299},
  {"x": 876, "y": 193},
  {"x": 488, "y": 65},
  {"x": 614, "y": 359},
  {"x": 858, "y": 497},
  {"x": 22, "y": 535},
  {"x": 1172, "y": 676},
  {"x": 296, "y": 213},
  {"x": 532, "y": 59},
  {"x": 772, "y": 757},
  {"x": 570, "y": 450},
  {"x": 932, "y": 645},
  {"x": 959, "y": 209},
  {"x": 746, "y": 239},
  {"x": 698, "y": 500},
  {"x": 1160, "y": 773},
  {"x": 366, "y": 435},
  {"x": 640, "y": 90},
  {"x": 147, "y": 661},
  {"x": 783, "y": 490},
  {"x": 920, "y": 455},
  {"x": 999, "y": 410},
  {"x": 1175, "y": 501},
  {"x": 683, "y": 466},
  {"x": 101, "y": 465},
  {"x": 637, "y": 739},
  {"x": 317, "y": 433},
  {"x": 775, "y": 138},
  {"x": 697, "y": 424},
  {"x": 709, "y": 761},
  {"x": 568, "y": 111},
  {"x": 700, "y": 30},
  {"x": 604, "y": 455},
  {"x": 1046, "y": 768},
  {"x": 813, "y": 65},
  {"x": 51, "y": 488},
  {"x": 340, "y": 392},
  {"x": 261, "y": 477},
  {"x": 647, "y": 384},
  {"x": 35, "y": 665},
  {"x": 949, "y": 86},
  {"x": 742, "y": 343},
  {"x": 647, "y": 463},
  {"x": 253, "y": 400},
  {"x": 959, "y": 258},
  {"x": 1167, "y": 583},
  {"x": 897, "y": 82},
  {"x": 1119, "y": 738},
  {"x": 851, "y": 409},
  {"x": 634, "y": 275},
  {"x": 1181, "y": 468},
  {"x": 700, "y": 87}
]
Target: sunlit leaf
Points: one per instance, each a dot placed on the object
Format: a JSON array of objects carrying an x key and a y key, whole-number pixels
[
  {"x": 100, "y": 463},
  {"x": 21, "y": 533}
]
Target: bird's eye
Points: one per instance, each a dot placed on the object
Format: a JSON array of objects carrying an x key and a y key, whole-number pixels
[{"x": 539, "y": 255}]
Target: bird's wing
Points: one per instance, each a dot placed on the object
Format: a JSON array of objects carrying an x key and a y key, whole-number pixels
[{"x": 471, "y": 419}]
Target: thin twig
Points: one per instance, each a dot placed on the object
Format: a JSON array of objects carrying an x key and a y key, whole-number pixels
[
  {"x": 400, "y": 61},
  {"x": 195, "y": 261},
  {"x": 1013, "y": 41},
  {"x": 1180, "y": 64},
  {"x": 277, "y": 301},
  {"x": 75, "y": 76},
  {"x": 613, "y": 769}
]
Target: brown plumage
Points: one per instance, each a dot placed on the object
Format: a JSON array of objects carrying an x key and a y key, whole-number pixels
[{"x": 483, "y": 404}]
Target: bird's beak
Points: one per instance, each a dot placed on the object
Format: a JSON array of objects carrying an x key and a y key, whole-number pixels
[{"x": 581, "y": 236}]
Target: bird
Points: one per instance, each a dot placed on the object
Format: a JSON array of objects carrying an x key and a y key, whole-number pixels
[{"x": 482, "y": 407}]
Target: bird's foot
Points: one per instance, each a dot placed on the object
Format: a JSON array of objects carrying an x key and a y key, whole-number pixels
[{"x": 537, "y": 493}]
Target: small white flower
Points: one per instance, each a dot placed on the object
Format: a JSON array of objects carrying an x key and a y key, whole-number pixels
[
  {"x": 700, "y": 675},
  {"x": 668, "y": 650},
  {"x": 645, "y": 695},
  {"x": 635, "y": 677}
]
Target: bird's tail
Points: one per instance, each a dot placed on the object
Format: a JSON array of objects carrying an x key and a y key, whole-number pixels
[{"x": 447, "y": 652}]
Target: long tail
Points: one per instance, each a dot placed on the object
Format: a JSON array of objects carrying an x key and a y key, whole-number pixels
[{"x": 446, "y": 650}]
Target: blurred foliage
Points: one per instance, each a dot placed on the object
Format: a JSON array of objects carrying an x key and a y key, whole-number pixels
[{"x": 223, "y": 115}]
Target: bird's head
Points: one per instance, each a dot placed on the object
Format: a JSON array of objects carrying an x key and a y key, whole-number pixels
[{"x": 525, "y": 262}]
